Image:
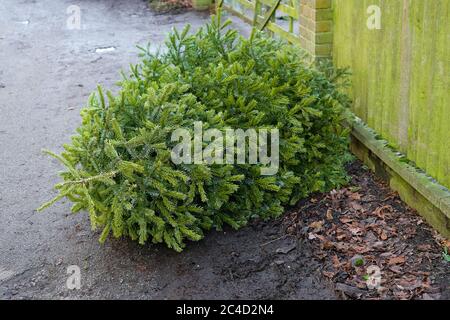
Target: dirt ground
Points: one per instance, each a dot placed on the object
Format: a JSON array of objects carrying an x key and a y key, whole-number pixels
[
  {"x": 366, "y": 226},
  {"x": 46, "y": 75}
]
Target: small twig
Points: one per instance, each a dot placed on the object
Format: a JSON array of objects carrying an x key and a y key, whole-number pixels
[{"x": 272, "y": 241}]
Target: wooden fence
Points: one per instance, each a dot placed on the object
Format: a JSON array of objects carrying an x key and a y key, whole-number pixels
[
  {"x": 401, "y": 76},
  {"x": 277, "y": 16}
]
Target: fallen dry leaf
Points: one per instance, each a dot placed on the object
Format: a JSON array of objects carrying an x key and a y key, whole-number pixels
[
  {"x": 336, "y": 262},
  {"x": 341, "y": 234},
  {"x": 396, "y": 269},
  {"x": 346, "y": 220},
  {"x": 380, "y": 211},
  {"x": 424, "y": 247},
  {"x": 402, "y": 295},
  {"x": 360, "y": 249},
  {"x": 328, "y": 274},
  {"x": 317, "y": 225},
  {"x": 326, "y": 244},
  {"x": 356, "y": 231},
  {"x": 355, "y": 196},
  {"x": 356, "y": 206},
  {"x": 409, "y": 284},
  {"x": 396, "y": 260},
  {"x": 329, "y": 214}
]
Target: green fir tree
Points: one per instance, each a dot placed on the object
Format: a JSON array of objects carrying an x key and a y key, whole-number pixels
[{"x": 118, "y": 165}]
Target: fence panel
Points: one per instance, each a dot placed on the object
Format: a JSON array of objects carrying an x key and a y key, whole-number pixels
[{"x": 401, "y": 75}]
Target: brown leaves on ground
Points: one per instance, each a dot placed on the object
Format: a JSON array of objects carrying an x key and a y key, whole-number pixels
[{"x": 358, "y": 228}]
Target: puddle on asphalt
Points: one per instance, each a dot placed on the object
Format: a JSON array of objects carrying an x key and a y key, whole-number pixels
[
  {"x": 5, "y": 274},
  {"x": 105, "y": 49},
  {"x": 24, "y": 22}
]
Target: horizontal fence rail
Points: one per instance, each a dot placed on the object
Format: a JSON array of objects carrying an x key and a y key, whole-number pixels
[{"x": 280, "y": 17}]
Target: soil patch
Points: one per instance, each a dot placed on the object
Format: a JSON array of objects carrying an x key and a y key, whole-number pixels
[{"x": 365, "y": 232}]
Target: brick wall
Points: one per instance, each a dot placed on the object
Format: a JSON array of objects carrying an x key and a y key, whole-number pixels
[{"x": 316, "y": 27}]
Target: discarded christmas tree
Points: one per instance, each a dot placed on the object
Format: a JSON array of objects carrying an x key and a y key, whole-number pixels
[{"x": 119, "y": 167}]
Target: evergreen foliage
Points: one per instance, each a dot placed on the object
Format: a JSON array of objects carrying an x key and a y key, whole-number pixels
[{"x": 118, "y": 165}]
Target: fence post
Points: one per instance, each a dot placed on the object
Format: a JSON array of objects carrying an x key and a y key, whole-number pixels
[{"x": 316, "y": 27}]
